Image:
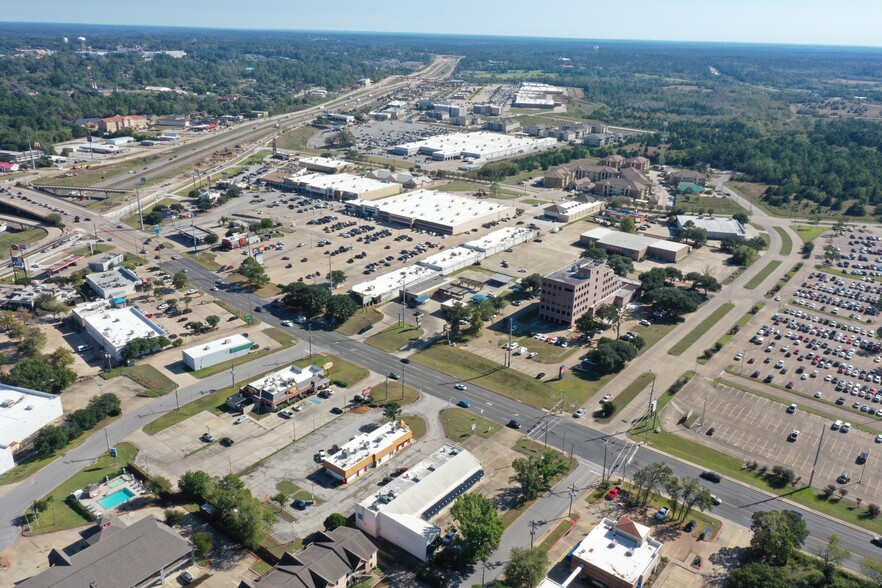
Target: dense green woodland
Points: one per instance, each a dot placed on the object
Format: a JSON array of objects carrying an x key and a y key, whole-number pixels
[{"x": 41, "y": 97}]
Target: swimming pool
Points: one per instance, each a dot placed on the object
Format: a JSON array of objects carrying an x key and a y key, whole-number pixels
[
  {"x": 118, "y": 481},
  {"x": 116, "y": 498}
]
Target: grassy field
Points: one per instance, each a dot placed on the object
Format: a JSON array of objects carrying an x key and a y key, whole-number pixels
[
  {"x": 762, "y": 275},
  {"x": 786, "y": 240},
  {"x": 753, "y": 192},
  {"x": 343, "y": 374},
  {"x": 269, "y": 291},
  {"x": 59, "y": 515},
  {"x": 359, "y": 320},
  {"x": 295, "y": 492},
  {"x": 25, "y": 237},
  {"x": 155, "y": 382},
  {"x": 703, "y": 327},
  {"x": 205, "y": 259},
  {"x": 394, "y": 338},
  {"x": 133, "y": 220},
  {"x": 417, "y": 426},
  {"x": 466, "y": 186},
  {"x": 457, "y": 423},
  {"x": 624, "y": 398},
  {"x": 784, "y": 279},
  {"x": 662, "y": 400},
  {"x": 719, "y": 206},
  {"x": 280, "y": 336},
  {"x": 809, "y": 232},
  {"x": 548, "y": 353},
  {"x": 403, "y": 395}
]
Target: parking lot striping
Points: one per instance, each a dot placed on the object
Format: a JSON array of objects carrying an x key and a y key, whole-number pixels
[{"x": 735, "y": 538}]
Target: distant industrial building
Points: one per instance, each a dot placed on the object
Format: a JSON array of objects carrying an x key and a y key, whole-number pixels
[
  {"x": 617, "y": 554},
  {"x": 118, "y": 282},
  {"x": 21, "y": 157},
  {"x": 335, "y": 559},
  {"x": 567, "y": 212},
  {"x": 480, "y": 145},
  {"x": 145, "y": 553},
  {"x": 106, "y": 261},
  {"x": 578, "y": 288},
  {"x": 534, "y": 95},
  {"x": 285, "y": 385},
  {"x": 401, "y": 511},
  {"x": 343, "y": 186},
  {"x": 717, "y": 227},
  {"x": 111, "y": 329},
  {"x": 23, "y": 412},
  {"x": 325, "y": 165},
  {"x": 503, "y": 125},
  {"x": 337, "y": 117},
  {"x": 368, "y": 451},
  {"x": 440, "y": 212},
  {"x": 217, "y": 351},
  {"x": 489, "y": 109},
  {"x": 634, "y": 245}
]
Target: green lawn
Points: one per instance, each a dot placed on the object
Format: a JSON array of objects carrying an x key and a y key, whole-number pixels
[
  {"x": 762, "y": 275},
  {"x": 719, "y": 206},
  {"x": 786, "y": 241},
  {"x": 531, "y": 448},
  {"x": 403, "y": 395},
  {"x": 704, "y": 520},
  {"x": 457, "y": 423},
  {"x": 784, "y": 279},
  {"x": 662, "y": 400},
  {"x": 344, "y": 373},
  {"x": 809, "y": 232},
  {"x": 624, "y": 398},
  {"x": 562, "y": 529},
  {"x": 417, "y": 426},
  {"x": 281, "y": 337},
  {"x": 294, "y": 492},
  {"x": 692, "y": 336},
  {"x": 134, "y": 221},
  {"x": 25, "y": 237},
  {"x": 548, "y": 353},
  {"x": 361, "y": 319},
  {"x": 205, "y": 259},
  {"x": 394, "y": 338},
  {"x": 268, "y": 291},
  {"x": 742, "y": 322},
  {"x": 155, "y": 382},
  {"x": 60, "y": 516}
]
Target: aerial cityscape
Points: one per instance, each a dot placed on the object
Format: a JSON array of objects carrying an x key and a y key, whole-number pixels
[{"x": 390, "y": 302}]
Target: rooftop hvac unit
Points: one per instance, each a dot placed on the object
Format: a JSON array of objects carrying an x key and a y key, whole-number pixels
[
  {"x": 629, "y": 553},
  {"x": 29, "y": 407}
]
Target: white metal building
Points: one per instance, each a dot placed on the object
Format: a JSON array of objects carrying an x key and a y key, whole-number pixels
[
  {"x": 450, "y": 260},
  {"x": 389, "y": 285},
  {"x": 343, "y": 186},
  {"x": 23, "y": 412},
  {"x": 112, "y": 328},
  {"x": 106, "y": 261},
  {"x": 215, "y": 352},
  {"x": 718, "y": 227},
  {"x": 502, "y": 239},
  {"x": 325, "y": 165},
  {"x": 118, "y": 282},
  {"x": 401, "y": 511}
]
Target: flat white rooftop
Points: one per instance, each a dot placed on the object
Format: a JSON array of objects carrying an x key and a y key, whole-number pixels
[
  {"x": 608, "y": 548},
  {"x": 713, "y": 224},
  {"x": 452, "y": 258},
  {"x": 440, "y": 208},
  {"x": 383, "y": 284},
  {"x": 231, "y": 342},
  {"x": 114, "y": 278},
  {"x": 285, "y": 378},
  {"x": 340, "y": 182},
  {"x": 324, "y": 161},
  {"x": 479, "y": 144},
  {"x": 16, "y": 407},
  {"x": 117, "y": 326},
  {"x": 505, "y": 236},
  {"x": 367, "y": 444}
]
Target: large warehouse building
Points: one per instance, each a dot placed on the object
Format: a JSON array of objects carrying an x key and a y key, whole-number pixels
[
  {"x": 112, "y": 328},
  {"x": 401, "y": 511},
  {"x": 343, "y": 186},
  {"x": 482, "y": 145},
  {"x": 441, "y": 212},
  {"x": 367, "y": 451},
  {"x": 23, "y": 412},
  {"x": 717, "y": 227},
  {"x": 635, "y": 246},
  {"x": 215, "y": 352}
]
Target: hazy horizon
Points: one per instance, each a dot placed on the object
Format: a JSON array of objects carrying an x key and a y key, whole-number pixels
[{"x": 785, "y": 22}]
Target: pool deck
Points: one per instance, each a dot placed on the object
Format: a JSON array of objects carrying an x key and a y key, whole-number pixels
[{"x": 89, "y": 497}]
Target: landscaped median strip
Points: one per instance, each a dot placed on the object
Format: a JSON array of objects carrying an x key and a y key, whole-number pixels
[
  {"x": 702, "y": 328},
  {"x": 786, "y": 241},
  {"x": 762, "y": 275}
]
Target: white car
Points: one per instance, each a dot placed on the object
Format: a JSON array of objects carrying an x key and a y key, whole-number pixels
[
  {"x": 241, "y": 419},
  {"x": 460, "y": 387},
  {"x": 606, "y": 399},
  {"x": 818, "y": 394},
  {"x": 191, "y": 291},
  {"x": 175, "y": 256},
  {"x": 162, "y": 306},
  {"x": 287, "y": 324},
  {"x": 579, "y": 413}
]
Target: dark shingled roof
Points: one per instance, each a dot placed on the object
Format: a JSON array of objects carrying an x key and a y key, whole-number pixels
[{"x": 124, "y": 558}]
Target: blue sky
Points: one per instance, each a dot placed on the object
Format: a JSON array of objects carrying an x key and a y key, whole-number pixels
[{"x": 848, "y": 22}]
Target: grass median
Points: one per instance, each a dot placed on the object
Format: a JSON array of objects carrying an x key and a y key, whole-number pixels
[
  {"x": 363, "y": 318},
  {"x": 395, "y": 338},
  {"x": 809, "y": 233},
  {"x": 624, "y": 398},
  {"x": 762, "y": 275},
  {"x": 786, "y": 240},
  {"x": 695, "y": 334},
  {"x": 458, "y": 424}
]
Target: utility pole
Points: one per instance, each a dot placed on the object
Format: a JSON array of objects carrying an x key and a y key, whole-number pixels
[
  {"x": 572, "y": 496},
  {"x": 818, "y": 455},
  {"x": 605, "y": 446},
  {"x": 232, "y": 376},
  {"x": 650, "y": 412},
  {"x": 140, "y": 212},
  {"x": 508, "y": 353},
  {"x": 309, "y": 338}
]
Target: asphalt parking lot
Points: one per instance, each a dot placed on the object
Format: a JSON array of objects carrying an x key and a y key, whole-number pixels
[{"x": 757, "y": 428}]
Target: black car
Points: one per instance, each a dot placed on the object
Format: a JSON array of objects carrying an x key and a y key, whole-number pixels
[
  {"x": 393, "y": 376},
  {"x": 337, "y": 410},
  {"x": 710, "y": 432},
  {"x": 690, "y": 526},
  {"x": 540, "y": 375},
  {"x": 755, "y": 374},
  {"x": 711, "y": 476},
  {"x": 365, "y": 329},
  {"x": 226, "y": 441},
  {"x": 769, "y": 378},
  {"x": 300, "y": 504},
  {"x": 514, "y": 424},
  {"x": 385, "y": 480},
  {"x": 405, "y": 360}
]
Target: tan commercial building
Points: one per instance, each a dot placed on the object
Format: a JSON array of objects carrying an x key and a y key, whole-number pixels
[
  {"x": 576, "y": 289},
  {"x": 567, "y": 212},
  {"x": 634, "y": 245},
  {"x": 368, "y": 451},
  {"x": 119, "y": 122}
]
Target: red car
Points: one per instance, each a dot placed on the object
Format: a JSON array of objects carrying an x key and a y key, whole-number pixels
[
  {"x": 789, "y": 385},
  {"x": 611, "y": 495}
]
